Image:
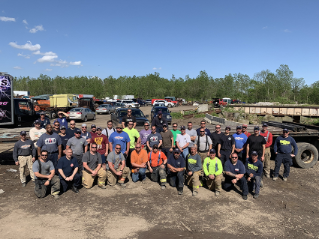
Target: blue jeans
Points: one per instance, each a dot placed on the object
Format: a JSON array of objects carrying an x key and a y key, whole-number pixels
[
  {"x": 139, "y": 175},
  {"x": 242, "y": 183},
  {"x": 173, "y": 177},
  {"x": 286, "y": 160},
  {"x": 254, "y": 184},
  {"x": 76, "y": 182},
  {"x": 53, "y": 157},
  {"x": 185, "y": 152}
]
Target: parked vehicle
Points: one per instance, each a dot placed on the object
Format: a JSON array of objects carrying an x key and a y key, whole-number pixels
[
  {"x": 118, "y": 105},
  {"x": 165, "y": 112},
  {"x": 121, "y": 112},
  {"x": 171, "y": 99},
  {"x": 218, "y": 102},
  {"x": 17, "y": 93},
  {"x": 130, "y": 104},
  {"x": 83, "y": 114},
  {"x": 148, "y": 102},
  {"x": 86, "y": 103},
  {"x": 167, "y": 104},
  {"x": 158, "y": 104},
  {"x": 105, "y": 109},
  {"x": 140, "y": 101}
]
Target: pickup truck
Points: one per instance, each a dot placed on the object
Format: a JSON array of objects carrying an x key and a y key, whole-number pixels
[
  {"x": 130, "y": 104},
  {"x": 167, "y": 104}
]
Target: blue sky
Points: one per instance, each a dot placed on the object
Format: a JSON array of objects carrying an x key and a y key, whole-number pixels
[{"x": 175, "y": 37}]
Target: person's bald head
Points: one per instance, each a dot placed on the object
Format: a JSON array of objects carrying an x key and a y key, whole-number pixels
[
  {"x": 68, "y": 153},
  {"x": 138, "y": 147}
]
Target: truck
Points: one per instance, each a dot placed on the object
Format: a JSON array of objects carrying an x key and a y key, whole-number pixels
[
  {"x": 87, "y": 102},
  {"x": 14, "y": 112},
  {"x": 20, "y": 93}
]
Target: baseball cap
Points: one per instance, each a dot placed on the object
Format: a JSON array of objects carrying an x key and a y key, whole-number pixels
[
  {"x": 245, "y": 125},
  {"x": 183, "y": 127},
  {"x": 42, "y": 113},
  {"x": 99, "y": 128},
  {"x": 227, "y": 127},
  {"x": 256, "y": 128},
  {"x": 155, "y": 146},
  {"x": 37, "y": 122},
  {"x": 176, "y": 150},
  {"x": 164, "y": 125},
  {"x": 160, "y": 112},
  {"x": 238, "y": 127},
  {"x": 23, "y": 133},
  {"x": 83, "y": 125},
  {"x": 93, "y": 126},
  {"x": 119, "y": 126},
  {"x": 265, "y": 125},
  {"x": 285, "y": 130},
  {"x": 62, "y": 127},
  {"x": 77, "y": 131},
  {"x": 254, "y": 153},
  {"x": 212, "y": 151}
]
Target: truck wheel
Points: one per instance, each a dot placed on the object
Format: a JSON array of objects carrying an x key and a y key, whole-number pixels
[
  {"x": 94, "y": 118},
  {"x": 53, "y": 115},
  {"x": 169, "y": 106},
  {"x": 85, "y": 119},
  {"x": 307, "y": 155}
]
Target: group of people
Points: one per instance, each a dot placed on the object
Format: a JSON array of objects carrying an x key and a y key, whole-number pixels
[{"x": 62, "y": 156}]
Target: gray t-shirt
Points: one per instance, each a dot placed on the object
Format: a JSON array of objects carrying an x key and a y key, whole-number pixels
[
  {"x": 203, "y": 145},
  {"x": 77, "y": 145},
  {"x": 154, "y": 139},
  {"x": 49, "y": 142},
  {"x": 92, "y": 160},
  {"x": 191, "y": 133},
  {"x": 114, "y": 158},
  {"x": 46, "y": 167}
]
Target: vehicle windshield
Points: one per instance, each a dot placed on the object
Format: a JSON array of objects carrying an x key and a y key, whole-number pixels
[
  {"x": 104, "y": 106},
  {"x": 76, "y": 110},
  {"x": 136, "y": 113},
  {"x": 164, "y": 110},
  {"x": 128, "y": 101}
]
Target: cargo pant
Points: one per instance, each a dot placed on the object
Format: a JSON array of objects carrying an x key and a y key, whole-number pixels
[
  {"x": 267, "y": 161},
  {"x": 112, "y": 177},
  {"x": 242, "y": 183},
  {"x": 173, "y": 177},
  {"x": 215, "y": 184},
  {"x": 286, "y": 160},
  {"x": 158, "y": 174},
  {"x": 40, "y": 189},
  {"x": 254, "y": 184},
  {"x": 193, "y": 180},
  {"x": 25, "y": 161},
  {"x": 203, "y": 155},
  {"x": 88, "y": 179}
]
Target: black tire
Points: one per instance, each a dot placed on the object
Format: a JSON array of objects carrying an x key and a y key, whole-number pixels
[
  {"x": 307, "y": 155},
  {"x": 94, "y": 118},
  {"x": 53, "y": 115},
  {"x": 85, "y": 119}
]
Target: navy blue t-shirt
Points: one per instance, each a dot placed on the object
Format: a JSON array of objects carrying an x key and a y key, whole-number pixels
[
  {"x": 176, "y": 163},
  {"x": 207, "y": 131},
  {"x": 67, "y": 166},
  {"x": 238, "y": 168},
  {"x": 64, "y": 140},
  {"x": 255, "y": 168}
]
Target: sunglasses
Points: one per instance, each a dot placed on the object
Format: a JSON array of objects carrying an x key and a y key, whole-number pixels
[
  {"x": 56, "y": 125},
  {"x": 176, "y": 153},
  {"x": 93, "y": 147},
  {"x": 72, "y": 124},
  {"x": 174, "y": 126},
  {"x": 77, "y": 133},
  {"x": 233, "y": 157},
  {"x": 137, "y": 147},
  {"x": 117, "y": 148},
  {"x": 146, "y": 125},
  {"x": 44, "y": 155},
  {"x": 202, "y": 131},
  {"x": 84, "y": 127}
]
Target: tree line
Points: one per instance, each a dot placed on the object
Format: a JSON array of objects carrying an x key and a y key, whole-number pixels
[{"x": 266, "y": 86}]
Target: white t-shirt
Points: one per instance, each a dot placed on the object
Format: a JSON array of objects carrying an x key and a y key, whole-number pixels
[
  {"x": 35, "y": 134},
  {"x": 183, "y": 139},
  {"x": 109, "y": 132}
]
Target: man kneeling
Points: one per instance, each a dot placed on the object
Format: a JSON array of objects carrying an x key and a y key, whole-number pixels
[
  {"x": 156, "y": 165},
  {"x": 116, "y": 170},
  {"x": 139, "y": 163},
  {"x": 254, "y": 169},
  {"x": 176, "y": 169},
  {"x": 194, "y": 169},
  {"x": 92, "y": 163},
  {"x": 68, "y": 169},
  {"x": 45, "y": 177}
]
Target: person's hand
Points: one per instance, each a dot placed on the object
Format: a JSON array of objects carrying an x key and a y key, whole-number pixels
[
  {"x": 219, "y": 155},
  {"x": 71, "y": 178},
  {"x": 47, "y": 183},
  {"x": 171, "y": 149},
  {"x": 119, "y": 173},
  {"x": 208, "y": 154},
  {"x": 59, "y": 156},
  {"x": 17, "y": 163},
  {"x": 212, "y": 177},
  {"x": 106, "y": 154},
  {"x": 181, "y": 149},
  {"x": 262, "y": 158},
  {"x": 104, "y": 166},
  {"x": 126, "y": 152},
  {"x": 251, "y": 175},
  {"x": 234, "y": 181},
  {"x": 151, "y": 170},
  {"x": 248, "y": 179},
  {"x": 162, "y": 166},
  {"x": 292, "y": 155},
  {"x": 230, "y": 156},
  {"x": 33, "y": 159},
  {"x": 94, "y": 173},
  {"x": 67, "y": 179},
  {"x": 190, "y": 173}
]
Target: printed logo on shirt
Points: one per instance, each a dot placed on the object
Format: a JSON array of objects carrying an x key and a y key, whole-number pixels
[
  {"x": 238, "y": 138},
  {"x": 119, "y": 137},
  {"x": 50, "y": 141},
  {"x": 229, "y": 138},
  {"x": 25, "y": 146},
  {"x": 72, "y": 165},
  {"x": 237, "y": 169},
  {"x": 192, "y": 161},
  {"x": 98, "y": 140},
  {"x": 154, "y": 138},
  {"x": 253, "y": 167},
  {"x": 284, "y": 142}
]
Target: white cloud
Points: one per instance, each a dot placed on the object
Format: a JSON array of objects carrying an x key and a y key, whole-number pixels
[
  {"x": 75, "y": 63},
  {"x": 47, "y": 58},
  {"x": 37, "y": 28},
  {"x": 265, "y": 27},
  {"x": 25, "y": 56},
  {"x": 27, "y": 46},
  {"x": 287, "y": 31},
  {"x": 25, "y": 22},
  {"x": 17, "y": 67},
  {"x": 49, "y": 53},
  {"x": 159, "y": 68},
  {"x": 7, "y": 19},
  {"x": 48, "y": 69}
]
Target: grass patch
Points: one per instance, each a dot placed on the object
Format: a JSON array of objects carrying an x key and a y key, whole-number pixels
[
  {"x": 199, "y": 115},
  {"x": 177, "y": 115}
]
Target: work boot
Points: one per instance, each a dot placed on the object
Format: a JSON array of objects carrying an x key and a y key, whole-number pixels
[
  {"x": 261, "y": 184},
  {"x": 195, "y": 193},
  {"x": 23, "y": 185},
  {"x": 102, "y": 186},
  {"x": 123, "y": 185},
  {"x": 267, "y": 175},
  {"x": 163, "y": 187},
  {"x": 74, "y": 189},
  {"x": 285, "y": 179},
  {"x": 217, "y": 193},
  {"x": 180, "y": 191},
  {"x": 56, "y": 196},
  {"x": 274, "y": 178},
  {"x": 245, "y": 197}
]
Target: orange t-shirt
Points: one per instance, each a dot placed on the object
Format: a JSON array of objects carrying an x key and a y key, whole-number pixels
[
  {"x": 139, "y": 158},
  {"x": 155, "y": 158}
]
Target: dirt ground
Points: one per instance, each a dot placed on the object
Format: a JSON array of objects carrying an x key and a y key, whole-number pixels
[{"x": 284, "y": 209}]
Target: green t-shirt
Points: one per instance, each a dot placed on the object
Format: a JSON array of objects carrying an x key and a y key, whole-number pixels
[
  {"x": 133, "y": 134},
  {"x": 175, "y": 133}
]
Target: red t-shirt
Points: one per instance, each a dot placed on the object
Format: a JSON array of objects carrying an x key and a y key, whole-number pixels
[
  {"x": 101, "y": 141},
  {"x": 269, "y": 141},
  {"x": 247, "y": 133}
]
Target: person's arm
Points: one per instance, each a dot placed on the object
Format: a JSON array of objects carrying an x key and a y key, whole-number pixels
[
  {"x": 85, "y": 148},
  {"x": 74, "y": 172},
  {"x": 127, "y": 148},
  {"x": 110, "y": 146},
  {"x": 15, "y": 153},
  {"x": 219, "y": 146},
  {"x": 230, "y": 174},
  {"x": 233, "y": 148},
  {"x": 270, "y": 139},
  {"x": 275, "y": 145},
  {"x": 62, "y": 174},
  {"x": 60, "y": 151},
  {"x": 160, "y": 143},
  {"x": 148, "y": 145},
  {"x": 85, "y": 165},
  {"x": 134, "y": 125},
  {"x": 112, "y": 167},
  {"x": 171, "y": 168},
  {"x": 138, "y": 140},
  {"x": 65, "y": 114},
  {"x": 293, "y": 143},
  {"x": 106, "y": 149},
  {"x": 247, "y": 151},
  {"x": 34, "y": 151},
  {"x": 39, "y": 151},
  {"x": 172, "y": 141}
]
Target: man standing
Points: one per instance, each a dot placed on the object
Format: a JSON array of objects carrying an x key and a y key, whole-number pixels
[
  {"x": 102, "y": 145},
  {"x": 154, "y": 138},
  {"x": 116, "y": 170},
  {"x": 159, "y": 121},
  {"x": 139, "y": 163},
  {"x": 93, "y": 130},
  {"x": 204, "y": 144},
  {"x": 64, "y": 138},
  {"x": 182, "y": 141},
  {"x": 226, "y": 146},
  {"x": 193, "y": 170},
  {"x": 216, "y": 137},
  {"x": 51, "y": 142},
  {"x": 175, "y": 132},
  {"x": 68, "y": 168},
  {"x": 192, "y": 134},
  {"x": 156, "y": 165},
  {"x": 213, "y": 170},
  {"x": 36, "y": 132},
  {"x": 134, "y": 138},
  {"x": 85, "y": 134},
  {"x": 109, "y": 130},
  {"x": 283, "y": 149},
  {"x": 240, "y": 143},
  {"x": 44, "y": 121},
  {"x": 235, "y": 171},
  {"x": 268, "y": 138},
  {"x": 254, "y": 169},
  {"x": 144, "y": 134},
  {"x": 78, "y": 145},
  {"x": 168, "y": 141},
  {"x": 176, "y": 165},
  {"x": 256, "y": 142},
  {"x": 120, "y": 137},
  {"x": 70, "y": 131},
  {"x": 245, "y": 130},
  {"x": 128, "y": 118},
  {"x": 203, "y": 126},
  {"x": 24, "y": 155},
  {"x": 45, "y": 177},
  {"x": 63, "y": 120}
]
